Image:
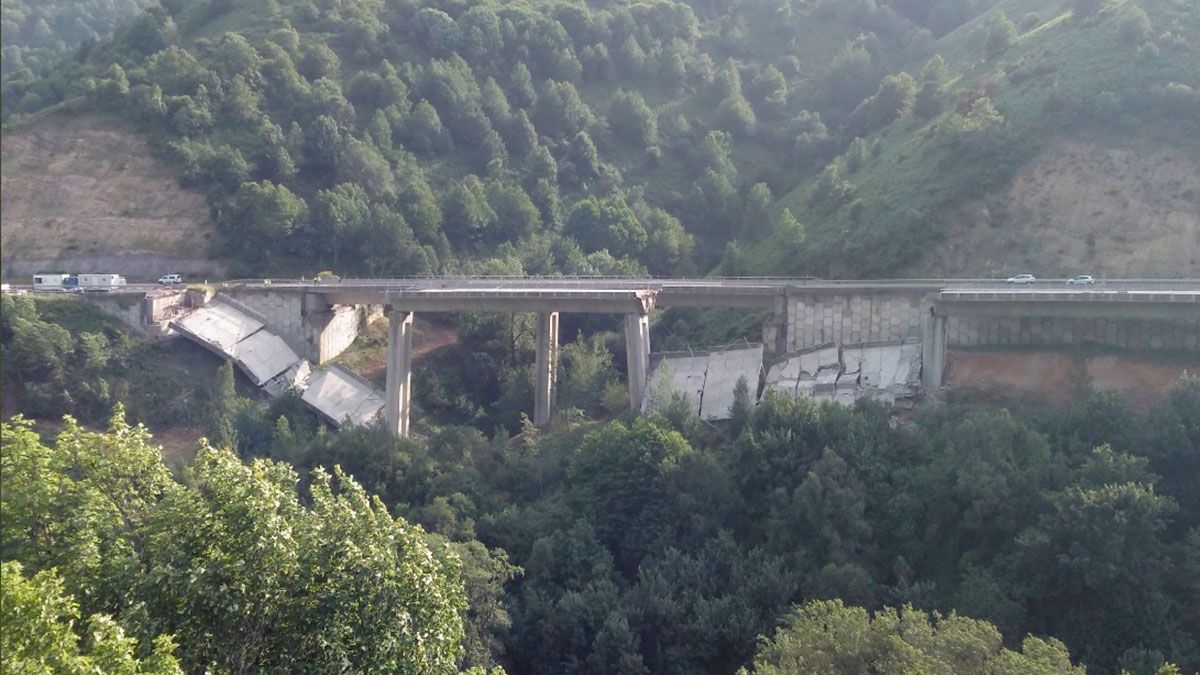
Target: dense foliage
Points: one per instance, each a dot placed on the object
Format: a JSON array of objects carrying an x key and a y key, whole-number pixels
[
  {"x": 418, "y": 137},
  {"x": 658, "y": 545},
  {"x": 248, "y": 574},
  {"x": 58, "y": 356}
]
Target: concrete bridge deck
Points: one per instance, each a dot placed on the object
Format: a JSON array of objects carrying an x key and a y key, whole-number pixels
[
  {"x": 804, "y": 312},
  {"x": 570, "y": 293}
]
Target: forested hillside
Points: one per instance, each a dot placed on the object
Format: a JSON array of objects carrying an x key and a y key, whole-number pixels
[
  {"x": 37, "y": 34},
  {"x": 832, "y": 137},
  {"x": 402, "y": 137}
]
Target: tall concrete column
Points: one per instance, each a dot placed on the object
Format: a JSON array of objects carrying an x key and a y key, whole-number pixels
[
  {"x": 637, "y": 355},
  {"x": 933, "y": 347},
  {"x": 546, "y": 371},
  {"x": 398, "y": 396}
]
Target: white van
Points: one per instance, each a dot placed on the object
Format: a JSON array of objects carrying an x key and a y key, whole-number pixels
[{"x": 171, "y": 279}]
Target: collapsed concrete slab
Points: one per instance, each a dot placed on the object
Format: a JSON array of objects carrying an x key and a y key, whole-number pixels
[
  {"x": 219, "y": 325},
  {"x": 706, "y": 379},
  {"x": 238, "y": 333},
  {"x": 342, "y": 397},
  {"x": 264, "y": 355},
  {"x": 675, "y": 373},
  {"x": 724, "y": 370},
  {"x": 882, "y": 371}
]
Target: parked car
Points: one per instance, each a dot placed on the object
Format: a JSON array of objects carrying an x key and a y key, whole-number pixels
[
  {"x": 1021, "y": 279},
  {"x": 1081, "y": 280},
  {"x": 171, "y": 279}
]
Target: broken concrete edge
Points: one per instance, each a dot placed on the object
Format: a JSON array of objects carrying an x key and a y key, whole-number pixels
[
  {"x": 733, "y": 346},
  {"x": 783, "y": 358},
  {"x": 239, "y": 306}
]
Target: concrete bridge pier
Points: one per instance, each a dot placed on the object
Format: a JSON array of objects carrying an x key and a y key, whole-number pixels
[
  {"x": 637, "y": 355},
  {"x": 933, "y": 347},
  {"x": 398, "y": 395},
  {"x": 546, "y": 370}
]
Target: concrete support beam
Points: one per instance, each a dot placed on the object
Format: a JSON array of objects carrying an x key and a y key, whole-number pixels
[
  {"x": 933, "y": 347},
  {"x": 637, "y": 355},
  {"x": 546, "y": 370},
  {"x": 398, "y": 395}
]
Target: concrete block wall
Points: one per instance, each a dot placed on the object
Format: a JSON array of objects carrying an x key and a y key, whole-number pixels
[
  {"x": 283, "y": 311},
  {"x": 330, "y": 335},
  {"x": 1058, "y": 331},
  {"x": 124, "y": 305},
  {"x": 815, "y": 319},
  {"x": 309, "y": 326}
]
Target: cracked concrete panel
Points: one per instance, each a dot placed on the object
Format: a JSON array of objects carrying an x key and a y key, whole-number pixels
[
  {"x": 263, "y": 355},
  {"x": 219, "y": 325},
  {"x": 785, "y": 375},
  {"x": 825, "y": 356},
  {"x": 675, "y": 374},
  {"x": 339, "y": 396},
  {"x": 797, "y": 374},
  {"x": 724, "y": 370}
]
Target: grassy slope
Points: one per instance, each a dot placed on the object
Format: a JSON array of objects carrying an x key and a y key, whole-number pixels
[{"x": 915, "y": 172}]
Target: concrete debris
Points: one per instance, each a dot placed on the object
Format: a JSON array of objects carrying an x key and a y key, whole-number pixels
[
  {"x": 721, "y": 378},
  {"x": 236, "y": 332},
  {"x": 340, "y": 396},
  {"x": 885, "y": 372},
  {"x": 707, "y": 379},
  {"x": 295, "y": 377}
]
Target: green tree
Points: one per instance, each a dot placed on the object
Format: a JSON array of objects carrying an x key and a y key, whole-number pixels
[
  {"x": 892, "y": 100},
  {"x": 769, "y": 90},
  {"x": 319, "y": 61},
  {"x": 521, "y": 91},
  {"x": 250, "y": 573},
  {"x": 263, "y": 214},
  {"x": 632, "y": 119},
  {"x": 621, "y": 477},
  {"x": 828, "y": 637},
  {"x": 467, "y": 211},
  {"x": 37, "y": 633},
  {"x": 438, "y": 31},
  {"x": 1100, "y": 560},
  {"x": 735, "y": 115},
  {"x": 1001, "y": 34},
  {"x": 560, "y": 112},
  {"x": 423, "y": 130}
]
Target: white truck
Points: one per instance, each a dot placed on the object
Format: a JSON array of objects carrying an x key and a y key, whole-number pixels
[
  {"x": 98, "y": 282},
  {"x": 51, "y": 281}
]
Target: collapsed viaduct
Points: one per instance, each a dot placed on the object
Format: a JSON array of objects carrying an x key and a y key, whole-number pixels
[{"x": 321, "y": 319}]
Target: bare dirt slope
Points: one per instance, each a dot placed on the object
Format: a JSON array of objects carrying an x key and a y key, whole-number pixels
[
  {"x": 82, "y": 194},
  {"x": 1050, "y": 379},
  {"x": 1083, "y": 207}
]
